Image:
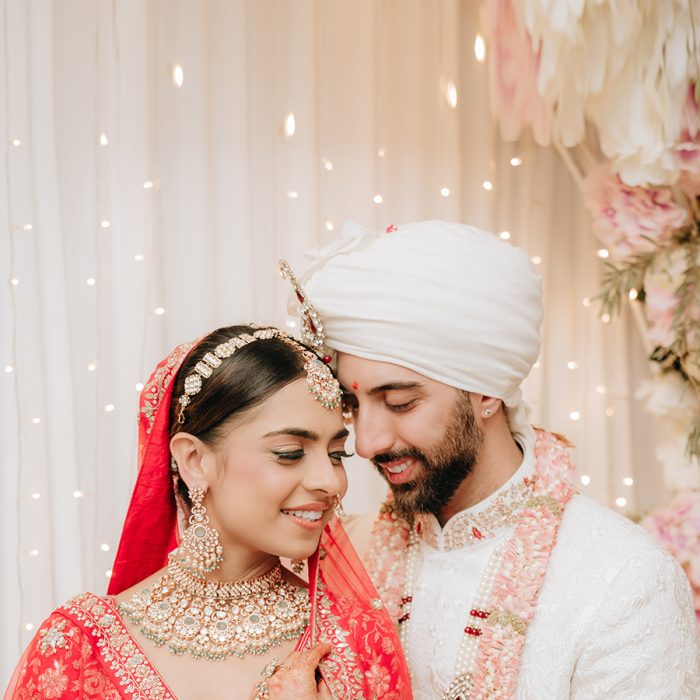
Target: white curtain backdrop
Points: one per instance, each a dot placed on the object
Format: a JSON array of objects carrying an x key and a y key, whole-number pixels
[{"x": 139, "y": 212}]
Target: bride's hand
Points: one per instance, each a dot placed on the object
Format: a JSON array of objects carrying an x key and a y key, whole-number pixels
[{"x": 295, "y": 677}]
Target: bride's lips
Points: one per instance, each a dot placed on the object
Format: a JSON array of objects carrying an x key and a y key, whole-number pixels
[
  {"x": 309, "y": 516},
  {"x": 400, "y": 471}
]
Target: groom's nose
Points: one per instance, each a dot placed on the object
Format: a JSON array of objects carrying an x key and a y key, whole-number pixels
[{"x": 373, "y": 433}]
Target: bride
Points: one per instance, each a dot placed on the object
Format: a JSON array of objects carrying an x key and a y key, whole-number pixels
[{"x": 241, "y": 442}]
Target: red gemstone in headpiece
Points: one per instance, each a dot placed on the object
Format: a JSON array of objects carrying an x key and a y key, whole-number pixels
[
  {"x": 312, "y": 328},
  {"x": 477, "y": 533},
  {"x": 300, "y": 297},
  {"x": 327, "y": 359},
  {"x": 390, "y": 229}
]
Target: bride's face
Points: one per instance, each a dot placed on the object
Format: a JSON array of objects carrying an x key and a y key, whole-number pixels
[{"x": 278, "y": 472}]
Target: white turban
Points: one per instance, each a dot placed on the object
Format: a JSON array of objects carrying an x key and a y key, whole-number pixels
[{"x": 449, "y": 301}]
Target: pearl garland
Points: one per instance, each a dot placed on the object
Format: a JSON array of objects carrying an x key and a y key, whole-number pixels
[{"x": 461, "y": 685}]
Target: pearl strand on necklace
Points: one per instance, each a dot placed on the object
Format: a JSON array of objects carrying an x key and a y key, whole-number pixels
[{"x": 466, "y": 658}]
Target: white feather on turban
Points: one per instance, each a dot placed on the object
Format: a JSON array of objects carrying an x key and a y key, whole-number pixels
[{"x": 449, "y": 301}]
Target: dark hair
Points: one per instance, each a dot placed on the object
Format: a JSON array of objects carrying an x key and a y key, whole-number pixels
[{"x": 243, "y": 381}]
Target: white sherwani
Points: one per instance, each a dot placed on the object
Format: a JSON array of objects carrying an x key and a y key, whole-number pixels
[{"x": 614, "y": 619}]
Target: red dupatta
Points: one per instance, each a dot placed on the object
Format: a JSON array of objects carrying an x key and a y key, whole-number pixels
[{"x": 366, "y": 661}]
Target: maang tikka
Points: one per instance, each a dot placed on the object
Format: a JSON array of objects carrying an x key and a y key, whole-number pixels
[{"x": 200, "y": 550}]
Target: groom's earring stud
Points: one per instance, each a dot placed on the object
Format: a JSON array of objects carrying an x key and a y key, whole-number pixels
[{"x": 487, "y": 412}]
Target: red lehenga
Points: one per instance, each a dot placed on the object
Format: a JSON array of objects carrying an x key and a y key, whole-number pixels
[{"x": 83, "y": 650}]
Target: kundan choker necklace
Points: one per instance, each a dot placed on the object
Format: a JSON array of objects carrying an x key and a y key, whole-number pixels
[{"x": 216, "y": 620}]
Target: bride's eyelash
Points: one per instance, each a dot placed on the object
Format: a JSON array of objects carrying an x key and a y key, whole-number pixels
[
  {"x": 341, "y": 455},
  {"x": 290, "y": 456}
]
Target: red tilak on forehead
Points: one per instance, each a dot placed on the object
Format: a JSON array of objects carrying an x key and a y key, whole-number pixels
[{"x": 355, "y": 386}]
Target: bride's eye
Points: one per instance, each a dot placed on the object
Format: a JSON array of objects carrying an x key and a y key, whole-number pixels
[
  {"x": 338, "y": 457},
  {"x": 289, "y": 455}
]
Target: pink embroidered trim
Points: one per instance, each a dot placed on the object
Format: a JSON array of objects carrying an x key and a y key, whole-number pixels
[{"x": 517, "y": 584}]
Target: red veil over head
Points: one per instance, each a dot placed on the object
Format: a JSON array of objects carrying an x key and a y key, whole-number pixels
[{"x": 346, "y": 610}]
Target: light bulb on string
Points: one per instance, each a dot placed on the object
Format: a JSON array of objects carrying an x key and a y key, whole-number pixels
[
  {"x": 9, "y": 369},
  {"x": 292, "y": 195},
  {"x": 445, "y": 191},
  {"x": 585, "y": 479},
  {"x": 575, "y": 415},
  {"x": 139, "y": 257},
  {"x": 327, "y": 164},
  {"x": 329, "y": 225},
  {"x": 516, "y": 161},
  {"x": 104, "y": 547},
  {"x": 536, "y": 259},
  {"x": 104, "y": 141},
  {"x": 178, "y": 75},
  {"x": 601, "y": 389},
  {"x": 78, "y": 494},
  {"x": 36, "y": 496},
  {"x": 381, "y": 152},
  {"x": 27, "y": 227},
  {"x": 628, "y": 481},
  {"x": 16, "y": 143},
  {"x": 159, "y": 311},
  {"x": 138, "y": 386},
  {"x": 104, "y": 223},
  {"x": 603, "y": 253},
  {"x": 487, "y": 185},
  {"x": 377, "y": 199},
  {"x": 504, "y": 235},
  {"x": 621, "y": 502},
  {"x": 633, "y": 294},
  {"x": 571, "y": 364},
  {"x": 290, "y": 125},
  {"x": 479, "y": 48},
  {"x": 451, "y": 94},
  {"x": 14, "y": 282}
]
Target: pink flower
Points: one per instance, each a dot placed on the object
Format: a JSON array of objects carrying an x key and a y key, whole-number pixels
[
  {"x": 626, "y": 217},
  {"x": 676, "y": 528},
  {"x": 513, "y": 74},
  {"x": 688, "y": 150}
]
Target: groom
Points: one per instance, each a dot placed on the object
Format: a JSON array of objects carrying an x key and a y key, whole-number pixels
[{"x": 502, "y": 580}]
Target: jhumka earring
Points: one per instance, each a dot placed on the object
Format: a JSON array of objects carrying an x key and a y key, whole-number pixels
[
  {"x": 200, "y": 550},
  {"x": 339, "y": 512}
]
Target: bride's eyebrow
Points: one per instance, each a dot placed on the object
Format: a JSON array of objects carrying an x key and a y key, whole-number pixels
[
  {"x": 306, "y": 434},
  {"x": 295, "y": 432}
]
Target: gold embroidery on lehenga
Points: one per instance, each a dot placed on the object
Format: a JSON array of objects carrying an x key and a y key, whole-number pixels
[{"x": 135, "y": 674}]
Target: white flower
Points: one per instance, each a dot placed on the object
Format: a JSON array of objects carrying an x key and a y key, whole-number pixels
[
  {"x": 623, "y": 65},
  {"x": 669, "y": 395},
  {"x": 680, "y": 473}
]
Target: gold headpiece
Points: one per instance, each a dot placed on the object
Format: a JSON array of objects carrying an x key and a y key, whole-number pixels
[
  {"x": 312, "y": 332},
  {"x": 322, "y": 384}
]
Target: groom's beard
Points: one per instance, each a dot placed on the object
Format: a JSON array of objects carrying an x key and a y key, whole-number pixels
[{"x": 443, "y": 468}]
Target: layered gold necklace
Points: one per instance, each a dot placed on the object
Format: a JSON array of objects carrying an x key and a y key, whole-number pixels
[{"x": 202, "y": 618}]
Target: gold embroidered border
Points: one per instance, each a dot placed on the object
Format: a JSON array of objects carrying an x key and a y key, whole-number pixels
[{"x": 121, "y": 654}]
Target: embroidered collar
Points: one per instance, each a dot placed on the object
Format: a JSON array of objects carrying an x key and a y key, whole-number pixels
[{"x": 486, "y": 519}]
